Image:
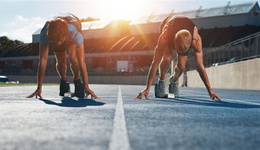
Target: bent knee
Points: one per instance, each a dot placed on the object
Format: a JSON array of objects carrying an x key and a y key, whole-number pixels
[
  {"x": 167, "y": 59},
  {"x": 181, "y": 69},
  {"x": 61, "y": 65},
  {"x": 74, "y": 62}
]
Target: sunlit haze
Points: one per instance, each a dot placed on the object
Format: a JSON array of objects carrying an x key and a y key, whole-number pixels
[
  {"x": 124, "y": 9},
  {"x": 21, "y": 18}
]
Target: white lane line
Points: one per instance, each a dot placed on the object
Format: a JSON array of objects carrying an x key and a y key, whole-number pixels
[
  {"x": 119, "y": 139},
  {"x": 231, "y": 100},
  {"x": 245, "y": 102}
]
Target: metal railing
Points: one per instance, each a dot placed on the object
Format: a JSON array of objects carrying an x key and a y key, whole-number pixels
[{"x": 239, "y": 50}]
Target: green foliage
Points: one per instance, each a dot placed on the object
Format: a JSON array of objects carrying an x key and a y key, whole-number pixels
[
  {"x": 3, "y": 40},
  {"x": 6, "y": 43},
  {"x": 89, "y": 19}
]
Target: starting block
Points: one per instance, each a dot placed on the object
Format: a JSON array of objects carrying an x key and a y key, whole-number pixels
[
  {"x": 69, "y": 94},
  {"x": 170, "y": 95}
]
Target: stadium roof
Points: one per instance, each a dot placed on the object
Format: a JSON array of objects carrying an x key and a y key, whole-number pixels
[
  {"x": 139, "y": 43},
  {"x": 201, "y": 13},
  {"x": 37, "y": 32},
  {"x": 85, "y": 26},
  {"x": 94, "y": 25}
]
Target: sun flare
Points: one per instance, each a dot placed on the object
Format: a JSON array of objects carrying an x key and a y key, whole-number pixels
[{"x": 123, "y": 9}]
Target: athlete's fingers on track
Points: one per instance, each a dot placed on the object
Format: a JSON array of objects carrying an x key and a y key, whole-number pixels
[
  {"x": 94, "y": 95},
  {"x": 219, "y": 98},
  {"x": 212, "y": 97},
  {"x": 139, "y": 96},
  {"x": 30, "y": 96},
  {"x": 86, "y": 97},
  {"x": 40, "y": 95},
  {"x": 215, "y": 96}
]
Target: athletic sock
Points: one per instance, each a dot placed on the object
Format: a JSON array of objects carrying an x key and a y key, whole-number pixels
[{"x": 161, "y": 80}]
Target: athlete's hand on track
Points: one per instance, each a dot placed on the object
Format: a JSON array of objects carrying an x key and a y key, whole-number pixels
[
  {"x": 214, "y": 95},
  {"x": 90, "y": 92},
  {"x": 144, "y": 93},
  {"x": 36, "y": 94}
]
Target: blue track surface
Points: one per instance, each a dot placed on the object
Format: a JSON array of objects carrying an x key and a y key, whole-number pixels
[{"x": 117, "y": 121}]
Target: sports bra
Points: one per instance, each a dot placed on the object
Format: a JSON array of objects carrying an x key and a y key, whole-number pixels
[
  {"x": 74, "y": 30},
  {"x": 175, "y": 24}
]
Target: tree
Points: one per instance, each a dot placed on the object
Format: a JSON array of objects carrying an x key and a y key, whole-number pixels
[
  {"x": 3, "y": 40},
  {"x": 89, "y": 19},
  {"x": 6, "y": 43}
]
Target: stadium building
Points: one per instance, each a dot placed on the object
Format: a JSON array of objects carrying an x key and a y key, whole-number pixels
[{"x": 118, "y": 50}]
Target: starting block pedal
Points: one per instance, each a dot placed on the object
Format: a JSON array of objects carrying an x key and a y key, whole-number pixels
[
  {"x": 69, "y": 94},
  {"x": 170, "y": 95}
]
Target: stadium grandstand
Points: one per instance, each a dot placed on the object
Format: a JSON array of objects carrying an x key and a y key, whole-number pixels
[{"x": 229, "y": 33}]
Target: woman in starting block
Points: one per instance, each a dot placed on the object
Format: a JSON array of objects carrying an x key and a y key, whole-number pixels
[
  {"x": 65, "y": 36},
  {"x": 178, "y": 33}
]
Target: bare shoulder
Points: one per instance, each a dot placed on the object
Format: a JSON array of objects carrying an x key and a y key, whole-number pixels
[
  {"x": 163, "y": 36},
  {"x": 196, "y": 42},
  {"x": 195, "y": 33}
]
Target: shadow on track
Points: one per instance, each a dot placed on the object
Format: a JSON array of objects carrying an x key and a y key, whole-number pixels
[
  {"x": 215, "y": 103},
  {"x": 69, "y": 102}
]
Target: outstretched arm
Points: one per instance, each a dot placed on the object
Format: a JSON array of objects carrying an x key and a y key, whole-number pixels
[
  {"x": 197, "y": 45},
  {"x": 44, "y": 50},
  {"x": 158, "y": 53},
  {"x": 83, "y": 70}
]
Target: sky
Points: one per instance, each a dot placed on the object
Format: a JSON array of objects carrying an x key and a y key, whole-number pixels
[{"x": 21, "y": 18}]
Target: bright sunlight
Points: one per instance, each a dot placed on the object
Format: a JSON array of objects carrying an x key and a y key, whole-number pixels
[{"x": 124, "y": 9}]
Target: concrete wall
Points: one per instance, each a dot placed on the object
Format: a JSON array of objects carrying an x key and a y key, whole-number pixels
[
  {"x": 240, "y": 75},
  {"x": 35, "y": 38}
]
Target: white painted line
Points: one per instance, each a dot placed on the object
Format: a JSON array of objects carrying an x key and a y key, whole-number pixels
[
  {"x": 119, "y": 139},
  {"x": 245, "y": 102},
  {"x": 224, "y": 99}
]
